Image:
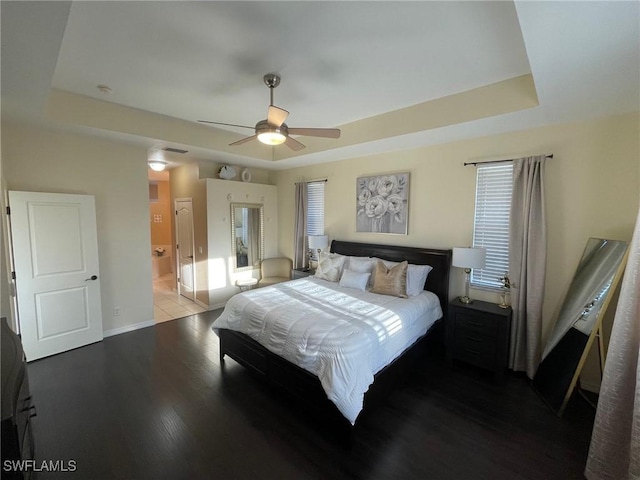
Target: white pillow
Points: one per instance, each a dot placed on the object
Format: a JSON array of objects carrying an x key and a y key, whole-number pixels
[
  {"x": 351, "y": 279},
  {"x": 416, "y": 276},
  {"x": 360, "y": 264},
  {"x": 330, "y": 267}
]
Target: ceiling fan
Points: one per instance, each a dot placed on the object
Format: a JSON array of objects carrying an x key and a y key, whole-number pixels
[{"x": 273, "y": 130}]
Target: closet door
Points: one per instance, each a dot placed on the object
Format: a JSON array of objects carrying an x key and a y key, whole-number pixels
[{"x": 55, "y": 245}]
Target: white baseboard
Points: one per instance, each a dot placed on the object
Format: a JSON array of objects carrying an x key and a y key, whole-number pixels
[
  {"x": 201, "y": 304},
  {"x": 128, "y": 328}
]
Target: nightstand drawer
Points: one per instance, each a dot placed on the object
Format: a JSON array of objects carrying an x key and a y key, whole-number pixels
[
  {"x": 480, "y": 324},
  {"x": 475, "y": 349}
]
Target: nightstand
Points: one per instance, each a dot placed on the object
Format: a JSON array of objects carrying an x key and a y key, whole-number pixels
[
  {"x": 247, "y": 284},
  {"x": 301, "y": 273},
  {"x": 478, "y": 333}
]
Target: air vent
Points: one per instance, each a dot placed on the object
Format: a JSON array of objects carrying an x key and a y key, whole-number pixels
[{"x": 175, "y": 150}]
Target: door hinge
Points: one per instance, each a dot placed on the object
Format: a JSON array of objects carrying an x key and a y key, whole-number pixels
[
  {"x": 8, "y": 210},
  {"x": 177, "y": 247},
  {"x": 13, "y": 275}
]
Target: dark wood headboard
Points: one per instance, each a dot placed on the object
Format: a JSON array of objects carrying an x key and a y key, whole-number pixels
[{"x": 440, "y": 260}]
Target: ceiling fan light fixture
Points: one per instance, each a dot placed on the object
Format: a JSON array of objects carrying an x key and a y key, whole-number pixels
[
  {"x": 271, "y": 134},
  {"x": 155, "y": 159},
  {"x": 272, "y": 138}
]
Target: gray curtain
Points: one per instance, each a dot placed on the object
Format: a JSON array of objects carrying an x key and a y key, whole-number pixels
[
  {"x": 527, "y": 262},
  {"x": 615, "y": 444},
  {"x": 300, "y": 227}
]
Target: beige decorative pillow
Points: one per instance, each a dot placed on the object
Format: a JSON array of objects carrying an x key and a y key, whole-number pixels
[
  {"x": 390, "y": 281},
  {"x": 330, "y": 267}
]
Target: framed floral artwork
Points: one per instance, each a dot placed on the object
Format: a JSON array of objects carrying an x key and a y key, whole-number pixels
[{"x": 382, "y": 203}]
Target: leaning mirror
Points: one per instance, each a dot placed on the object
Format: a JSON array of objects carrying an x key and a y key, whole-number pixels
[
  {"x": 579, "y": 321},
  {"x": 247, "y": 235}
]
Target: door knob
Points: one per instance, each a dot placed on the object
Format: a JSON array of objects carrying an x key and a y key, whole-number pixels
[{"x": 92, "y": 277}]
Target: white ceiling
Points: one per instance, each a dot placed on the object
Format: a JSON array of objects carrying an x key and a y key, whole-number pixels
[{"x": 340, "y": 62}]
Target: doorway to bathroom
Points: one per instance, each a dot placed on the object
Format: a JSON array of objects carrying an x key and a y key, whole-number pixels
[{"x": 168, "y": 304}]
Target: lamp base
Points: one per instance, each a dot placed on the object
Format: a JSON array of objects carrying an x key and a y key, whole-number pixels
[
  {"x": 503, "y": 300},
  {"x": 465, "y": 299}
]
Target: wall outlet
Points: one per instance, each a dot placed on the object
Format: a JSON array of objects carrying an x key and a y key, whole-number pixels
[{"x": 116, "y": 311}]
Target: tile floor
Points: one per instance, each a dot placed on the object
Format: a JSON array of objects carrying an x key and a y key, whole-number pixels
[{"x": 167, "y": 304}]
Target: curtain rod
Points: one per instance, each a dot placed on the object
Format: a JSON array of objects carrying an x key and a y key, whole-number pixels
[
  {"x": 320, "y": 180},
  {"x": 499, "y": 161}
]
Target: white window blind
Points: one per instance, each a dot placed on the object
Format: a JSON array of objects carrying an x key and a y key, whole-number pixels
[
  {"x": 494, "y": 186},
  {"x": 315, "y": 208}
]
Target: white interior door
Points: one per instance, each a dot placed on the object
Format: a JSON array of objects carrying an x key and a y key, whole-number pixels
[
  {"x": 185, "y": 247},
  {"x": 55, "y": 247}
]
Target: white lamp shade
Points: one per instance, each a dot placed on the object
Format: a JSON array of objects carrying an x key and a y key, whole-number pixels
[
  {"x": 469, "y": 257},
  {"x": 318, "y": 242}
]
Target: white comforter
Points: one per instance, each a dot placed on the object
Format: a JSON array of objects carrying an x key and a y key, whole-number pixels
[{"x": 343, "y": 336}]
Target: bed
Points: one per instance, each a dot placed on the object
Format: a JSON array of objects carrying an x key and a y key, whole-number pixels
[{"x": 365, "y": 368}]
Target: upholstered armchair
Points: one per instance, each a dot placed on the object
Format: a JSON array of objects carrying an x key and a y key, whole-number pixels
[{"x": 275, "y": 270}]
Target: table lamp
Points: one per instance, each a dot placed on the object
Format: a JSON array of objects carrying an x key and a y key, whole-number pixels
[
  {"x": 468, "y": 258},
  {"x": 316, "y": 244}
]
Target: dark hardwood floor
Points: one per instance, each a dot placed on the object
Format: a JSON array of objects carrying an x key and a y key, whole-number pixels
[{"x": 155, "y": 404}]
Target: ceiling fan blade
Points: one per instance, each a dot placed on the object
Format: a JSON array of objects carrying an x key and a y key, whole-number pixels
[
  {"x": 316, "y": 132},
  {"x": 293, "y": 144},
  {"x": 276, "y": 116},
  {"x": 227, "y": 124},
  {"x": 244, "y": 140}
]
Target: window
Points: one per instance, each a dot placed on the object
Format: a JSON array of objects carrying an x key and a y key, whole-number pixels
[
  {"x": 494, "y": 185},
  {"x": 315, "y": 208}
]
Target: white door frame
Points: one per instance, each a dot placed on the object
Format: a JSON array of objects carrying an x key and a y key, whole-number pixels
[
  {"x": 177, "y": 251},
  {"x": 7, "y": 242}
]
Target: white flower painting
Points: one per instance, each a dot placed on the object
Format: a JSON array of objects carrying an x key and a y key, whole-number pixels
[{"x": 383, "y": 203}]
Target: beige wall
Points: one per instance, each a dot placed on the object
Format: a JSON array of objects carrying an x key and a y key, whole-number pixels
[
  {"x": 43, "y": 161},
  {"x": 592, "y": 190},
  {"x": 161, "y": 231}
]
